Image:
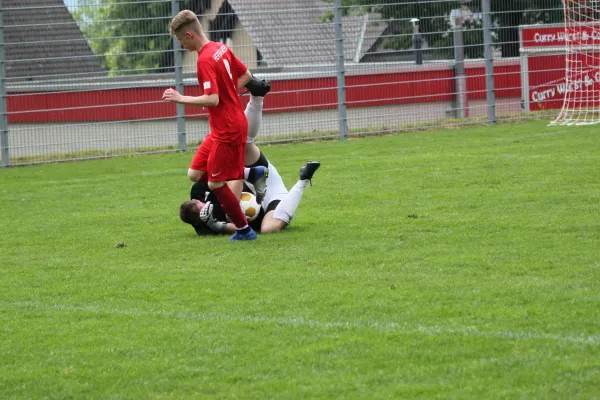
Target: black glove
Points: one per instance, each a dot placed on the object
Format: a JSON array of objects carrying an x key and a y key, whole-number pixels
[{"x": 206, "y": 215}]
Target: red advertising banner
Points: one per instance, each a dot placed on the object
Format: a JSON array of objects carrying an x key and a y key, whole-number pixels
[
  {"x": 547, "y": 82},
  {"x": 533, "y": 37},
  {"x": 545, "y": 51},
  {"x": 546, "y": 76},
  {"x": 538, "y": 37}
]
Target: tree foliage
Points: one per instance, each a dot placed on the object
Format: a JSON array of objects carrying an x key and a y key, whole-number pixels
[{"x": 131, "y": 35}]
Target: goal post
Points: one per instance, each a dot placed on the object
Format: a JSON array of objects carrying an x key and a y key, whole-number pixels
[{"x": 581, "y": 104}]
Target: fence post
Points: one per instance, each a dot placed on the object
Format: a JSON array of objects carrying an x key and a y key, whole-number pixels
[
  {"x": 178, "y": 61},
  {"x": 488, "y": 53},
  {"x": 3, "y": 109},
  {"x": 341, "y": 73},
  {"x": 417, "y": 41},
  {"x": 460, "y": 97}
]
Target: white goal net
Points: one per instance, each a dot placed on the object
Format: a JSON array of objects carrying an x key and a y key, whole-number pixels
[{"x": 582, "y": 33}]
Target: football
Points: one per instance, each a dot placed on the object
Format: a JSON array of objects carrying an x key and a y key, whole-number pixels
[{"x": 250, "y": 206}]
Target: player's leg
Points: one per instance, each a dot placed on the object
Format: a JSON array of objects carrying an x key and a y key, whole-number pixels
[
  {"x": 288, "y": 205},
  {"x": 236, "y": 186},
  {"x": 252, "y": 154},
  {"x": 277, "y": 192},
  {"x": 196, "y": 175},
  {"x": 198, "y": 166},
  {"x": 254, "y": 111},
  {"x": 225, "y": 163},
  {"x": 270, "y": 224}
]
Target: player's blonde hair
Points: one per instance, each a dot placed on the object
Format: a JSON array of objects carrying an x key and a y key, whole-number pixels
[{"x": 185, "y": 20}]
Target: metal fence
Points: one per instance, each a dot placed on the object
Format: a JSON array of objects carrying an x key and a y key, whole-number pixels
[{"x": 83, "y": 79}]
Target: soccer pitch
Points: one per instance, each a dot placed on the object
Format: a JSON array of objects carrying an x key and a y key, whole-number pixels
[{"x": 459, "y": 263}]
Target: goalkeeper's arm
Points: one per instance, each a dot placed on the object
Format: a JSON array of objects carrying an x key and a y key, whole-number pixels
[
  {"x": 220, "y": 227},
  {"x": 207, "y": 217}
]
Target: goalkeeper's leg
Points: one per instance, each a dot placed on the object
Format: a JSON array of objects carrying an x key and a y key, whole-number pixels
[
  {"x": 253, "y": 112},
  {"x": 253, "y": 157},
  {"x": 254, "y": 115},
  {"x": 283, "y": 213},
  {"x": 279, "y": 219},
  {"x": 287, "y": 207}
]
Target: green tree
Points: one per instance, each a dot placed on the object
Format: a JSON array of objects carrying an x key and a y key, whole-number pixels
[{"x": 132, "y": 36}]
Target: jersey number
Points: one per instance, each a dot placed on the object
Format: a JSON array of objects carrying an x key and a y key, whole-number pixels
[{"x": 228, "y": 68}]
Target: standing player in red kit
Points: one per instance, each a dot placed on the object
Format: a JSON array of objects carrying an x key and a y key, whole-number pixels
[{"x": 220, "y": 157}]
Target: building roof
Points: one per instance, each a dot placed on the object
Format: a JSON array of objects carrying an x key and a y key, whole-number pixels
[
  {"x": 298, "y": 32},
  {"x": 42, "y": 41}
]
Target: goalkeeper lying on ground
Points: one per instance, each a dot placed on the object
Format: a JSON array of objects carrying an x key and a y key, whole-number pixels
[{"x": 205, "y": 214}]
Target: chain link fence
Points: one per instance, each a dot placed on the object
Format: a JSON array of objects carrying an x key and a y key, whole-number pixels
[{"x": 83, "y": 79}]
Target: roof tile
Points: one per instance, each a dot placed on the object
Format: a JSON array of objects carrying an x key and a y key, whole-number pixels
[{"x": 294, "y": 32}]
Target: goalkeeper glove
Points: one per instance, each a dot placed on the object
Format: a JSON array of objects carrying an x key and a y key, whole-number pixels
[{"x": 206, "y": 215}]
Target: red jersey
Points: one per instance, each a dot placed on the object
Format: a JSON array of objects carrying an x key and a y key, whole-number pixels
[{"x": 218, "y": 70}]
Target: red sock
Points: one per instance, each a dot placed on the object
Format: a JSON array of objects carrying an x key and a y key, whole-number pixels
[{"x": 231, "y": 206}]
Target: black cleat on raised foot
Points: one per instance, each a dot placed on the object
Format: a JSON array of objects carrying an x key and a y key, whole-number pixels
[
  {"x": 258, "y": 87},
  {"x": 309, "y": 169}
]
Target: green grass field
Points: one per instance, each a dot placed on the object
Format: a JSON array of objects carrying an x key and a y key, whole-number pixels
[{"x": 457, "y": 264}]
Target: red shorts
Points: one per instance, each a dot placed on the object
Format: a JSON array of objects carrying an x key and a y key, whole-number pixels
[{"x": 221, "y": 161}]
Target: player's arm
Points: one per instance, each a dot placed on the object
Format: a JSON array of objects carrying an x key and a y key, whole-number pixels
[
  {"x": 206, "y": 100},
  {"x": 207, "y": 78},
  {"x": 244, "y": 79},
  {"x": 238, "y": 66}
]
